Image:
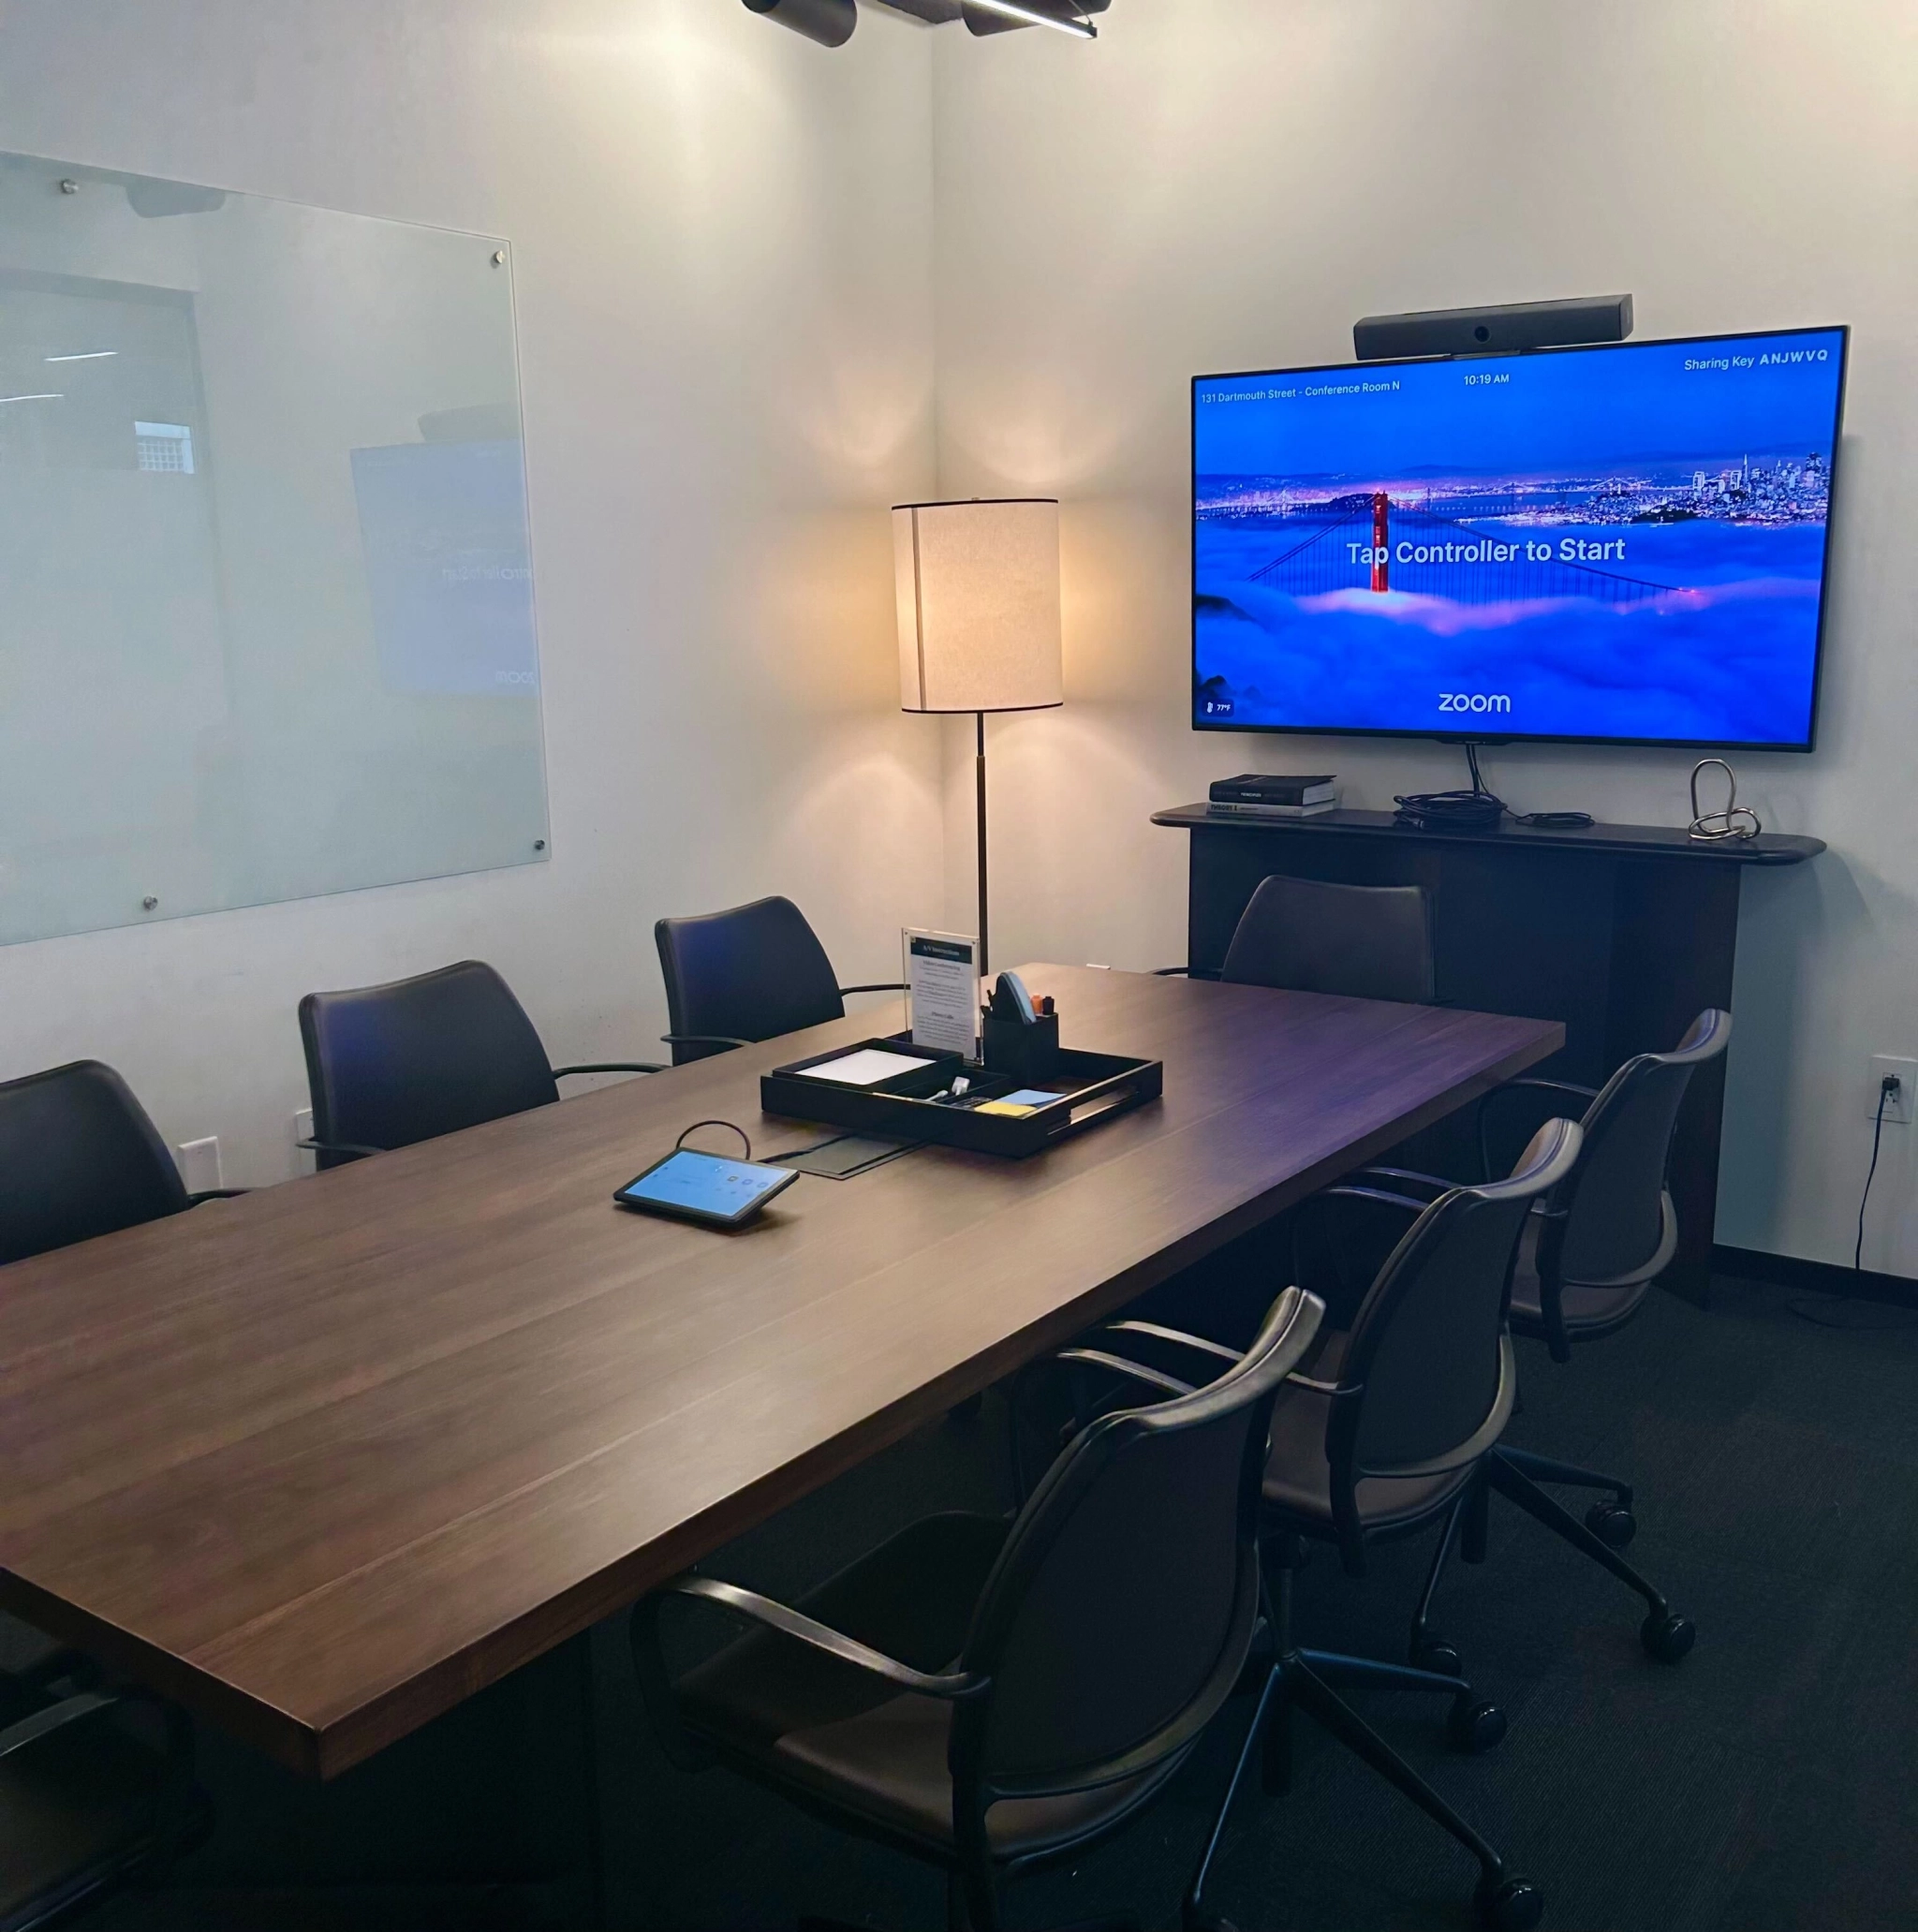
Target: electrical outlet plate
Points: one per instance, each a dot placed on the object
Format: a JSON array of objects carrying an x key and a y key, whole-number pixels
[
  {"x": 1899, "y": 1107},
  {"x": 302, "y": 1130},
  {"x": 200, "y": 1164}
]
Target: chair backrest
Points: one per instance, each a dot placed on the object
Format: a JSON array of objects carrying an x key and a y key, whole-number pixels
[
  {"x": 390, "y": 1065},
  {"x": 1614, "y": 1202},
  {"x": 1425, "y": 1381},
  {"x": 751, "y": 972},
  {"x": 1124, "y": 1602},
  {"x": 78, "y": 1157},
  {"x": 1314, "y": 935}
]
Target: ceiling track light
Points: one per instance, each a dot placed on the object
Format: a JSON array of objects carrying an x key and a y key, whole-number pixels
[
  {"x": 830, "y": 22},
  {"x": 1000, "y": 15}
]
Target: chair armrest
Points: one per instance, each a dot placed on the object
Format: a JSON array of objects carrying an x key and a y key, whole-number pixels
[
  {"x": 1117, "y": 1365},
  {"x": 1218, "y": 1350},
  {"x": 56, "y": 1717},
  {"x": 805, "y": 1629},
  {"x": 1347, "y": 1192},
  {"x": 1550, "y": 1086},
  {"x": 351, "y": 1149},
  {"x": 1170, "y": 972},
  {"x": 1438, "y": 1183},
  {"x": 1341, "y": 1235},
  {"x": 1158, "y": 1378},
  {"x": 611, "y": 1067},
  {"x": 216, "y": 1194},
  {"x": 704, "y": 1039},
  {"x": 878, "y": 986}
]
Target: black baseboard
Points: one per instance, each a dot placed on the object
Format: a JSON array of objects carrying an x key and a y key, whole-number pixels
[{"x": 1812, "y": 1277}]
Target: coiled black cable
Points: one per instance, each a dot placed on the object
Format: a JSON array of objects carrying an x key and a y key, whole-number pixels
[{"x": 1477, "y": 810}]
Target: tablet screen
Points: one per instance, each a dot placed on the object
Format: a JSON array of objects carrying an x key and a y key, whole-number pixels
[{"x": 703, "y": 1184}]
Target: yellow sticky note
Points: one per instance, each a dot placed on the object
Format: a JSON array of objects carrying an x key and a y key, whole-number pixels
[{"x": 1005, "y": 1108}]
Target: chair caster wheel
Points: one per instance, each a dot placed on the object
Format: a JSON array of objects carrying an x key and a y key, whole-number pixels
[
  {"x": 1475, "y": 1727},
  {"x": 1435, "y": 1655},
  {"x": 1667, "y": 1638},
  {"x": 1613, "y": 1524},
  {"x": 1511, "y": 1906}
]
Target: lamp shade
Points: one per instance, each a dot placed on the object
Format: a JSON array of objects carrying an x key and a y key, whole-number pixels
[{"x": 979, "y": 604}]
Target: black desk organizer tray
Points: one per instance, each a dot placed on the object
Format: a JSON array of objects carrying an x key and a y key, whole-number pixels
[{"x": 1092, "y": 1087}]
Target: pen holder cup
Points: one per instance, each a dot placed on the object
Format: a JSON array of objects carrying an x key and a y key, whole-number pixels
[{"x": 1026, "y": 1054}]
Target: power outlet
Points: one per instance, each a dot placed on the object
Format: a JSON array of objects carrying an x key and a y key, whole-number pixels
[
  {"x": 302, "y": 1130},
  {"x": 1899, "y": 1107},
  {"x": 200, "y": 1164}
]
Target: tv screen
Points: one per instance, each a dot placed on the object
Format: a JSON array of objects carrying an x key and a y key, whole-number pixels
[{"x": 1624, "y": 543}]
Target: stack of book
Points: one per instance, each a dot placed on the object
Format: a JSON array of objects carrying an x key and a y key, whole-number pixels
[{"x": 1260, "y": 795}]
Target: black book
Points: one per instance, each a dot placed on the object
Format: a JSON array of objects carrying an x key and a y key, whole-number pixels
[{"x": 1264, "y": 789}]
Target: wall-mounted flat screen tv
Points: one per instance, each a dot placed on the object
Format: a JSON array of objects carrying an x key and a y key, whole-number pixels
[{"x": 1623, "y": 544}]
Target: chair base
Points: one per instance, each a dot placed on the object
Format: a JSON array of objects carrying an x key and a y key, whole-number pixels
[
  {"x": 1665, "y": 1635},
  {"x": 1302, "y": 1680},
  {"x": 1545, "y": 1468},
  {"x": 1608, "y": 1527},
  {"x": 1505, "y": 1903}
]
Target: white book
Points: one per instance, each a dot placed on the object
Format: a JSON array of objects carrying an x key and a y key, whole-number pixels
[{"x": 1252, "y": 811}]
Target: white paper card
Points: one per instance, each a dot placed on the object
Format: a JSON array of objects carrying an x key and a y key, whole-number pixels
[
  {"x": 943, "y": 977},
  {"x": 866, "y": 1067}
]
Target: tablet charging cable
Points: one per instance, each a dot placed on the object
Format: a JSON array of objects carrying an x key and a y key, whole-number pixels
[{"x": 731, "y": 1126}]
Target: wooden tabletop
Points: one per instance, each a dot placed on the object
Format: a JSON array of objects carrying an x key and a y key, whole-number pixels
[{"x": 322, "y": 1461}]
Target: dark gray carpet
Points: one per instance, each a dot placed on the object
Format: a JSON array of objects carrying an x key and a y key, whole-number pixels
[{"x": 1766, "y": 1782}]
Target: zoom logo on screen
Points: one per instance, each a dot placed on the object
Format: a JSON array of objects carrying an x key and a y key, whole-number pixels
[{"x": 1473, "y": 701}]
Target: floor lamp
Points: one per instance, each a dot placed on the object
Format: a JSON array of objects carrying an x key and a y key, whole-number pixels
[{"x": 979, "y": 618}]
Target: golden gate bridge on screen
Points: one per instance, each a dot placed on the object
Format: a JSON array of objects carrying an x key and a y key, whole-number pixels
[{"x": 1375, "y": 544}]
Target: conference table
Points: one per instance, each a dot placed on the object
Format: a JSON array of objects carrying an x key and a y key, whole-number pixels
[{"x": 325, "y": 1460}]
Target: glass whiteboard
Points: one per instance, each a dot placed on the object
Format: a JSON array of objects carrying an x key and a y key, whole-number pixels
[{"x": 266, "y": 598}]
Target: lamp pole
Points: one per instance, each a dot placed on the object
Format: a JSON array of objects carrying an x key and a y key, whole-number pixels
[{"x": 978, "y": 778}]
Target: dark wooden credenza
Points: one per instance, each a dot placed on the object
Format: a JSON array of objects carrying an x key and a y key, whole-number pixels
[{"x": 1621, "y": 932}]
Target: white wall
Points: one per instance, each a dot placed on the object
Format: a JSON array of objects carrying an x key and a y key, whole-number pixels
[
  {"x": 1226, "y": 185},
  {"x": 723, "y": 272},
  {"x": 726, "y": 304}
]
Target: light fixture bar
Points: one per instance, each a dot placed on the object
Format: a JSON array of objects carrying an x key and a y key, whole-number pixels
[
  {"x": 92, "y": 355},
  {"x": 44, "y": 396},
  {"x": 1080, "y": 29}
]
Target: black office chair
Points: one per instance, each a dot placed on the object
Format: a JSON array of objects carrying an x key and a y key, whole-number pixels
[
  {"x": 1384, "y": 1438},
  {"x": 90, "y": 1802},
  {"x": 1591, "y": 1255},
  {"x": 387, "y": 1065},
  {"x": 1316, "y": 936},
  {"x": 79, "y": 1156},
  {"x": 988, "y": 1695},
  {"x": 747, "y": 974}
]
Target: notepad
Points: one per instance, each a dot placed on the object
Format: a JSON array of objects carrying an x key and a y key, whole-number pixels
[{"x": 868, "y": 1067}]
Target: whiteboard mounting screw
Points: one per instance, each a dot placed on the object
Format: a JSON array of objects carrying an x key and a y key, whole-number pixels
[
  {"x": 148, "y": 904},
  {"x": 69, "y": 186},
  {"x": 538, "y": 845},
  {"x": 499, "y": 258}
]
